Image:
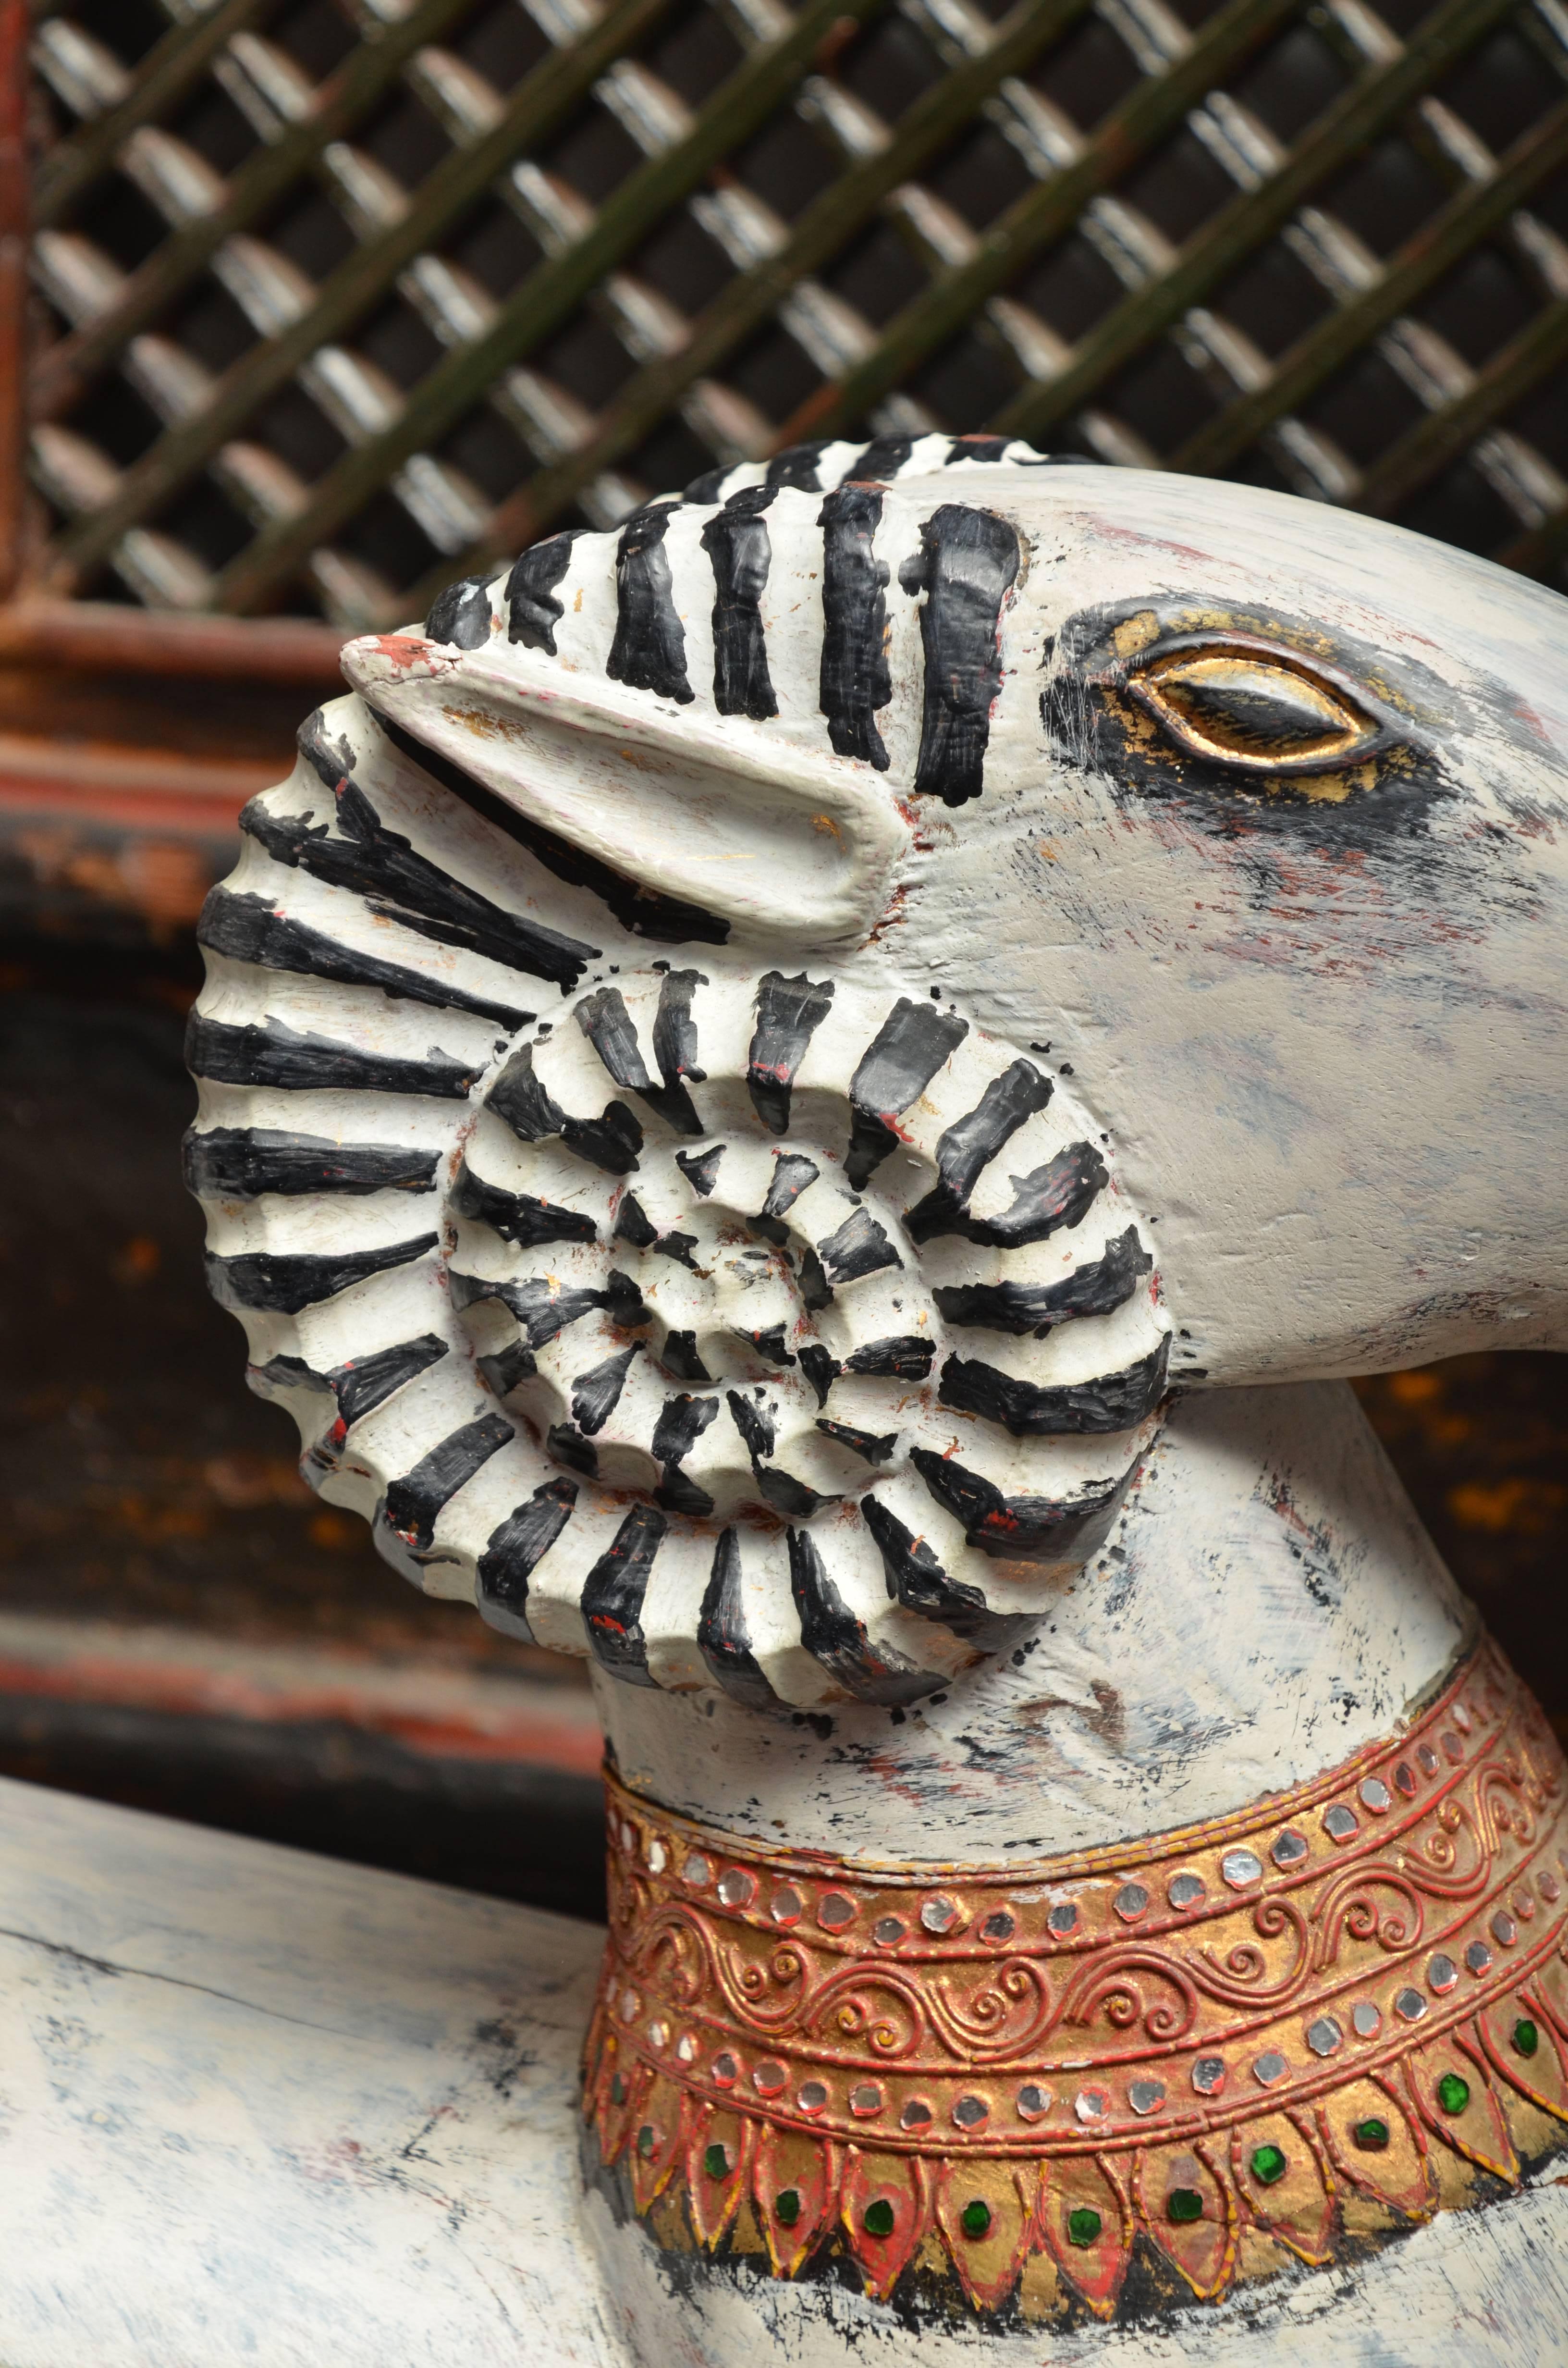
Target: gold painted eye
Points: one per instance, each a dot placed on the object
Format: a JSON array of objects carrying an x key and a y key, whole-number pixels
[{"x": 1241, "y": 704}]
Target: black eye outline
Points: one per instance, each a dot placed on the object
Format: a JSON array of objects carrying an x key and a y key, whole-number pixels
[{"x": 1385, "y": 728}]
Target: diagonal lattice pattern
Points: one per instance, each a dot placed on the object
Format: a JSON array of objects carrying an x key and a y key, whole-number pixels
[{"x": 339, "y": 297}]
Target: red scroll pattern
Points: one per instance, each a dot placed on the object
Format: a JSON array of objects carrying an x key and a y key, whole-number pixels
[{"x": 1243, "y": 2022}]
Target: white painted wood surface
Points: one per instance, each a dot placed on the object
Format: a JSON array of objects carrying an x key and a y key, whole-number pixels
[{"x": 259, "y": 2110}]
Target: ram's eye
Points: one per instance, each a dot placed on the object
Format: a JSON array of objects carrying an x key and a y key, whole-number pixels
[{"x": 1253, "y": 709}]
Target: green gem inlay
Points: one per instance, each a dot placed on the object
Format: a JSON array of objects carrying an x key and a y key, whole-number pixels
[
  {"x": 1453, "y": 2094},
  {"x": 618, "y": 2089},
  {"x": 1527, "y": 2038},
  {"x": 1183, "y": 2204},
  {"x": 975, "y": 2218},
  {"x": 787, "y": 2206},
  {"x": 1371, "y": 2135},
  {"x": 879, "y": 2217},
  {"x": 646, "y": 2139},
  {"x": 1083, "y": 2225},
  {"x": 1268, "y": 2165},
  {"x": 716, "y": 2162}
]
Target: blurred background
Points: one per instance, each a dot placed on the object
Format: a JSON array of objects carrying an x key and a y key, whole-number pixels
[{"x": 308, "y": 307}]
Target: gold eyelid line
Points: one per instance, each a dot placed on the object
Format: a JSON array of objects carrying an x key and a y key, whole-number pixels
[{"x": 1387, "y": 730}]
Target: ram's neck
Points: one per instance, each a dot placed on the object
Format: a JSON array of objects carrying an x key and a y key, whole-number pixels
[{"x": 1267, "y": 1604}]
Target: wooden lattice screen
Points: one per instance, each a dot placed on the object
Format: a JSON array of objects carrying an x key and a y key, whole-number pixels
[{"x": 333, "y": 298}]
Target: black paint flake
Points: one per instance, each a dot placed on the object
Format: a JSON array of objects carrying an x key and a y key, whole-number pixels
[
  {"x": 649, "y": 649},
  {"x": 723, "y": 1637},
  {"x": 518, "y": 1216},
  {"x": 459, "y": 617},
  {"x": 966, "y": 565},
  {"x": 532, "y": 610},
  {"x": 282, "y": 1285},
  {"x": 907, "y": 1359},
  {"x": 858, "y": 1247},
  {"x": 770, "y": 1342},
  {"x": 613, "y": 1594},
  {"x": 568, "y": 1446},
  {"x": 832, "y": 1635},
  {"x": 1110, "y": 1402},
  {"x": 792, "y": 1172},
  {"x": 239, "y": 1162},
  {"x": 667, "y": 920},
  {"x": 917, "y": 1581},
  {"x": 854, "y": 680},
  {"x": 736, "y": 541},
  {"x": 412, "y": 1504},
  {"x": 357, "y": 1386},
  {"x": 822, "y": 1370},
  {"x": 514, "y": 1552},
  {"x": 247, "y": 928},
  {"x": 273, "y": 1054},
  {"x": 909, "y": 1048},
  {"x": 610, "y": 1029},
  {"x": 543, "y": 1313},
  {"x": 633, "y": 1224},
  {"x": 681, "y": 1423},
  {"x": 596, "y": 1393},
  {"x": 680, "y": 1360},
  {"x": 1106, "y": 1282},
  {"x": 863, "y": 1443},
  {"x": 973, "y": 1142},
  {"x": 752, "y": 1421},
  {"x": 1017, "y": 1529},
  {"x": 789, "y": 1013}
]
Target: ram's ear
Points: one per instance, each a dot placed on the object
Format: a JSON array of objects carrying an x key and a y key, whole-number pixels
[{"x": 774, "y": 839}]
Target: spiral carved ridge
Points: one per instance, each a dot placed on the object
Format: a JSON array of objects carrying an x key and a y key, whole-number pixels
[{"x": 740, "y": 1321}]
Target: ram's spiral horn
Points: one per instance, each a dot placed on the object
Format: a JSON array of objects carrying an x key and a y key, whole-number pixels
[{"x": 650, "y": 1263}]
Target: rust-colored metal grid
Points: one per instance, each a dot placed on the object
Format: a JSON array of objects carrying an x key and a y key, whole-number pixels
[{"x": 333, "y": 299}]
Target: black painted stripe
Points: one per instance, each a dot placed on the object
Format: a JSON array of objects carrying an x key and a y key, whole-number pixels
[
  {"x": 1018, "y": 1529},
  {"x": 413, "y": 1504},
  {"x": 788, "y": 1496},
  {"x": 968, "y": 565},
  {"x": 723, "y": 1638},
  {"x": 667, "y": 920},
  {"x": 752, "y": 1421},
  {"x": 399, "y": 883},
  {"x": 770, "y": 1342},
  {"x": 543, "y": 1313},
  {"x": 737, "y": 542},
  {"x": 978, "y": 447},
  {"x": 970, "y": 1143},
  {"x": 596, "y": 1393},
  {"x": 506, "y": 1368},
  {"x": 459, "y": 617},
  {"x": 633, "y": 1224},
  {"x": 883, "y": 458},
  {"x": 1048, "y": 1199},
  {"x": 857, "y": 1248},
  {"x": 649, "y": 649},
  {"x": 514, "y": 1552},
  {"x": 613, "y": 1594},
  {"x": 282, "y": 1284},
  {"x": 1107, "y": 1282},
  {"x": 908, "y": 1049},
  {"x": 710, "y": 485},
  {"x": 675, "y": 1031},
  {"x": 611, "y": 1031},
  {"x": 792, "y": 1172},
  {"x": 273, "y": 1054},
  {"x": 866, "y": 1444},
  {"x": 917, "y": 1581},
  {"x": 680, "y": 1360},
  {"x": 789, "y": 1013},
  {"x": 795, "y": 465},
  {"x": 518, "y": 1216},
  {"x": 239, "y": 1162},
  {"x": 832, "y": 1635},
  {"x": 822, "y": 1370},
  {"x": 1110, "y": 1402},
  {"x": 701, "y": 1169},
  {"x": 681, "y": 1423},
  {"x": 906, "y": 1359},
  {"x": 854, "y": 679},
  {"x": 360, "y": 1384},
  {"x": 568, "y": 1446},
  {"x": 249, "y": 930},
  {"x": 610, "y": 1142},
  {"x": 532, "y": 610}
]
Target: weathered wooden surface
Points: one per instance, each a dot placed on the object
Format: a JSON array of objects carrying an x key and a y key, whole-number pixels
[{"x": 262, "y": 2111}]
